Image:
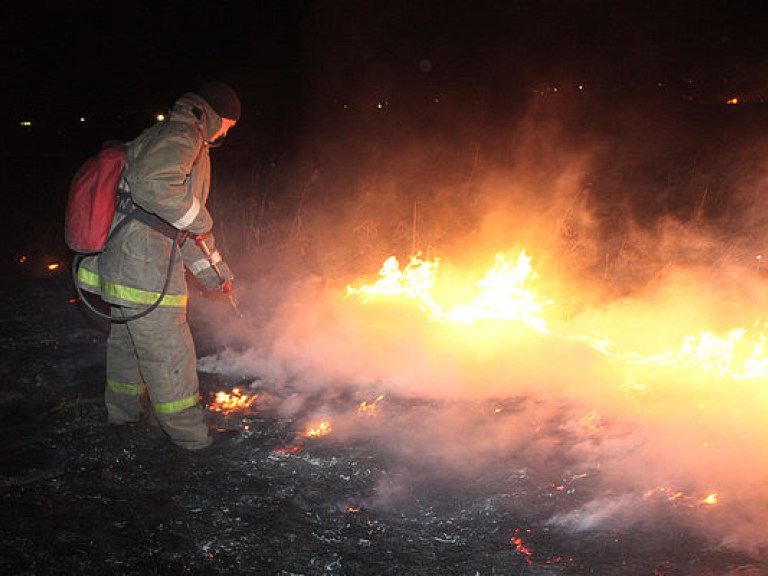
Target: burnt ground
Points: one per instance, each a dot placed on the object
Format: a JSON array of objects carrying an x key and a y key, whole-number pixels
[{"x": 81, "y": 498}]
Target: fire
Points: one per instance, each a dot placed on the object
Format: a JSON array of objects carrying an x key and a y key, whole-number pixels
[
  {"x": 680, "y": 499},
  {"x": 323, "y": 428},
  {"x": 227, "y": 403},
  {"x": 500, "y": 295},
  {"x": 711, "y": 499},
  {"x": 503, "y": 294},
  {"x": 414, "y": 281},
  {"x": 369, "y": 409},
  {"x": 740, "y": 354}
]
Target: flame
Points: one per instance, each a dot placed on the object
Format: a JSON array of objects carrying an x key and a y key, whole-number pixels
[
  {"x": 323, "y": 428},
  {"x": 680, "y": 499},
  {"x": 369, "y": 409},
  {"x": 591, "y": 423},
  {"x": 227, "y": 403},
  {"x": 501, "y": 294},
  {"x": 414, "y": 281},
  {"x": 710, "y": 499},
  {"x": 740, "y": 354}
]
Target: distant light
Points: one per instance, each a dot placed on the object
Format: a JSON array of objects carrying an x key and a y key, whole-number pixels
[
  {"x": 82, "y": 119},
  {"x": 53, "y": 266},
  {"x": 160, "y": 117},
  {"x": 581, "y": 86},
  {"x": 733, "y": 100},
  {"x": 26, "y": 123}
]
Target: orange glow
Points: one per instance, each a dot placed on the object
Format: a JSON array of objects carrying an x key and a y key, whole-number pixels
[
  {"x": 733, "y": 100},
  {"x": 53, "y": 266},
  {"x": 227, "y": 403}
]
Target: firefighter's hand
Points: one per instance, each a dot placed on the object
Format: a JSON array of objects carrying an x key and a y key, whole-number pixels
[
  {"x": 226, "y": 272},
  {"x": 213, "y": 280}
]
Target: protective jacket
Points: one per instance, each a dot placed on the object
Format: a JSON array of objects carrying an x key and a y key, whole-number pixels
[{"x": 167, "y": 174}]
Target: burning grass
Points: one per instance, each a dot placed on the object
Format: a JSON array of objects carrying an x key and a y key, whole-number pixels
[{"x": 661, "y": 400}]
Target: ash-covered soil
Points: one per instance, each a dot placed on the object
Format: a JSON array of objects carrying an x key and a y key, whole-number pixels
[{"x": 79, "y": 497}]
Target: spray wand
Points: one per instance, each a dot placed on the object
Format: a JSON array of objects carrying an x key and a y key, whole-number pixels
[{"x": 226, "y": 285}]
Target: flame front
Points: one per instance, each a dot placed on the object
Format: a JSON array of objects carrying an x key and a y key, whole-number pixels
[{"x": 503, "y": 295}]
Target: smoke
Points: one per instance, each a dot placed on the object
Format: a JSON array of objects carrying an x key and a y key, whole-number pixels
[{"x": 648, "y": 247}]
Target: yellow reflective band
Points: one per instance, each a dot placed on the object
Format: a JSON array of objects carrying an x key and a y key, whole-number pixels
[
  {"x": 176, "y": 405},
  {"x": 135, "y": 295},
  {"x": 87, "y": 277},
  {"x": 129, "y": 389}
]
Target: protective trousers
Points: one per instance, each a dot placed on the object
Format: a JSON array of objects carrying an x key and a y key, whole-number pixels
[{"x": 156, "y": 354}]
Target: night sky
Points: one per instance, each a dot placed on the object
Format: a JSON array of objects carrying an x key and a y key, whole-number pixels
[
  {"x": 108, "y": 57},
  {"x": 81, "y": 73}
]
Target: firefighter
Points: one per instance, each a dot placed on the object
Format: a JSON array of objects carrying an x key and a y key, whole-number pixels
[{"x": 166, "y": 180}]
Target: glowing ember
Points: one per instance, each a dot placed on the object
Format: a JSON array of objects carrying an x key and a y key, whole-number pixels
[
  {"x": 369, "y": 409},
  {"x": 517, "y": 542},
  {"x": 323, "y": 428},
  {"x": 228, "y": 403}
]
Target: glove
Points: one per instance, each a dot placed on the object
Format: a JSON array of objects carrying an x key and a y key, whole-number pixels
[
  {"x": 208, "y": 277},
  {"x": 207, "y": 265}
]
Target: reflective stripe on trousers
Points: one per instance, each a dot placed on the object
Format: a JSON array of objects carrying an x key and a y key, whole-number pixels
[
  {"x": 157, "y": 350},
  {"x": 160, "y": 407}
]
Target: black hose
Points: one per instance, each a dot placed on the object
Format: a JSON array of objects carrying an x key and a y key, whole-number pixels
[{"x": 124, "y": 319}]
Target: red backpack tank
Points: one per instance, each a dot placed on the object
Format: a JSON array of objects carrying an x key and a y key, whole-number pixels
[{"x": 91, "y": 202}]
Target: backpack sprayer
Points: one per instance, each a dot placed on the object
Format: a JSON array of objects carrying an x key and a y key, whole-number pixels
[{"x": 226, "y": 285}]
